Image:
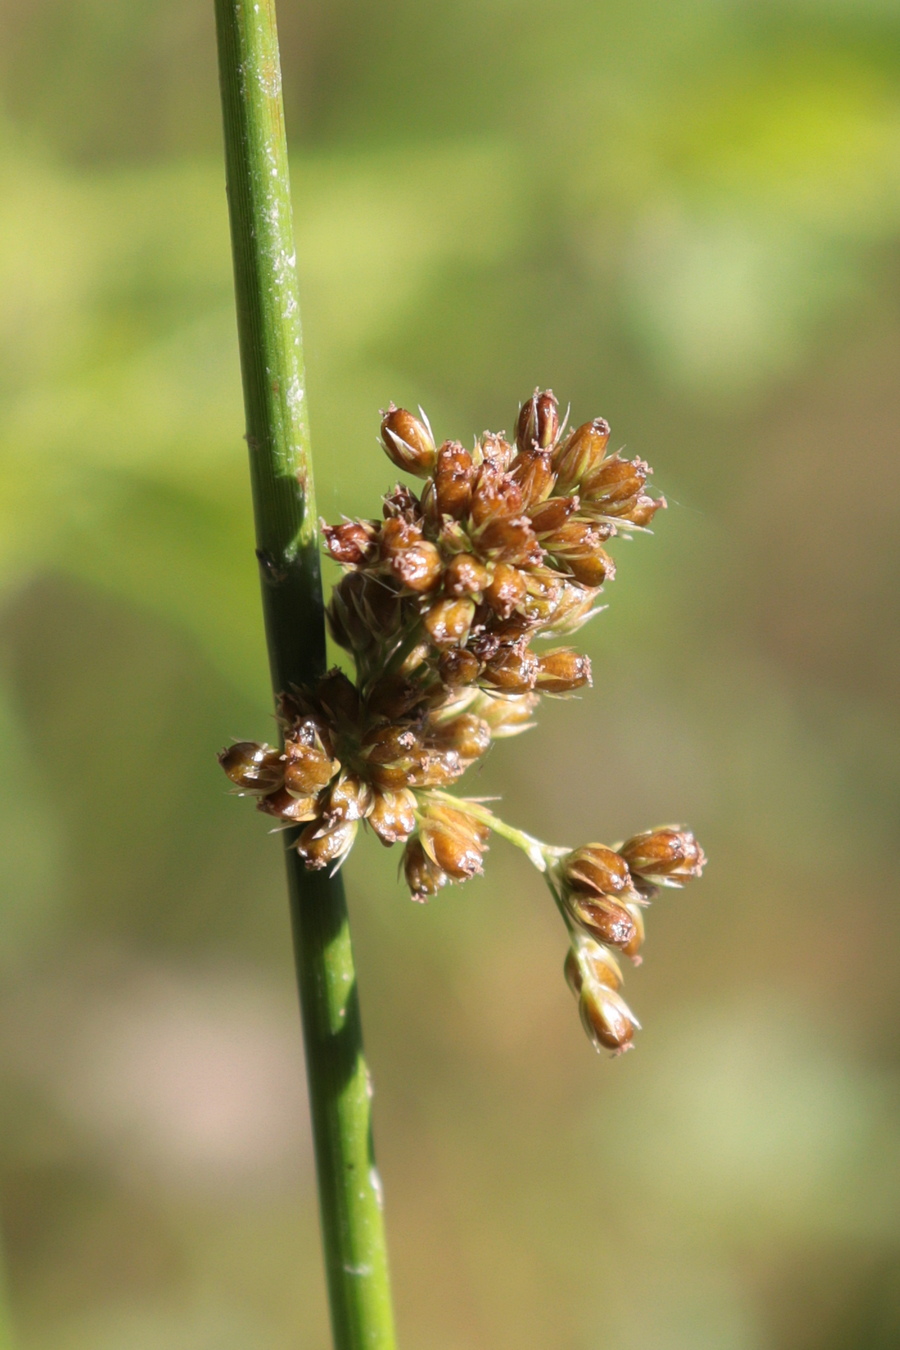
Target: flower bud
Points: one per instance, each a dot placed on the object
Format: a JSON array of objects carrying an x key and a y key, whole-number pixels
[
  {"x": 494, "y": 497},
  {"x": 284, "y": 806},
  {"x": 467, "y": 734},
  {"x": 320, "y": 845},
  {"x": 351, "y": 543},
  {"x": 448, "y": 622},
  {"x": 552, "y": 514},
  {"x": 594, "y": 867},
  {"x": 562, "y": 671},
  {"x": 580, "y": 453},
  {"x": 512, "y": 670},
  {"x": 538, "y": 421},
  {"x": 614, "y": 486},
  {"x": 510, "y": 540},
  {"x": 591, "y": 961},
  {"x": 465, "y": 575},
  {"x": 507, "y": 590},
  {"x": 576, "y": 546},
  {"x": 573, "y": 609},
  {"x": 350, "y": 798},
  {"x": 668, "y": 856},
  {"x": 308, "y": 767},
  {"x": 644, "y": 509},
  {"x": 453, "y": 479},
  {"x": 532, "y": 471},
  {"x": 408, "y": 442},
  {"x": 252, "y": 767},
  {"x": 495, "y": 451},
  {"x": 602, "y": 919},
  {"x": 419, "y": 567},
  {"x": 607, "y": 1019},
  {"x": 454, "y": 840},
  {"x": 423, "y": 876},
  {"x": 401, "y": 503},
  {"x": 393, "y": 816},
  {"x": 458, "y": 668}
]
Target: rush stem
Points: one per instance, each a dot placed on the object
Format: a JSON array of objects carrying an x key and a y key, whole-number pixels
[{"x": 271, "y": 350}]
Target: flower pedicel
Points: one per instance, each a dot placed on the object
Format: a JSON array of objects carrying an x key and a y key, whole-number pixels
[{"x": 439, "y": 605}]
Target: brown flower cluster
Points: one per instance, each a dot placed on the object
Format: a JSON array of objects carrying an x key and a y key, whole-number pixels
[
  {"x": 602, "y": 893},
  {"x": 439, "y": 606}
]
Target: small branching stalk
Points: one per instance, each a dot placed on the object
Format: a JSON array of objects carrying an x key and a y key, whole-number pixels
[{"x": 439, "y": 605}]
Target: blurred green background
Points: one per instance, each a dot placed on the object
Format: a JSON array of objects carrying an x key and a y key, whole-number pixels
[{"x": 683, "y": 216}]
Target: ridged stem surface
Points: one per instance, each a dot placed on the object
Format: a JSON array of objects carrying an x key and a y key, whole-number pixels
[{"x": 271, "y": 350}]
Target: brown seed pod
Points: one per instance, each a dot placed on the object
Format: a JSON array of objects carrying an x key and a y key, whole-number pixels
[
  {"x": 496, "y": 451},
  {"x": 494, "y": 497},
  {"x": 448, "y": 622},
  {"x": 607, "y": 1019},
  {"x": 644, "y": 509},
  {"x": 513, "y": 670},
  {"x": 458, "y": 668},
  {"x": 538, "y": 421},
  {"x": 252, "y": 766},
  {"x": 308, "y": 767},
  {"x": 468, "y": 735},
  {"x": 454, "y": 476},
  {"x": 611, "y": 487},
  {"x": 594, "y": 867},
  {"x": 668, "y": 855},
  {"x": 453, "y": 840},
  {"x": 601, "y": 918},
  {"x": 408, "y": 442},
  {"x": 509, "y": 539},
  {"x": 533, "y": 472},
  {"x": 423, "y": 876},
  {"x": 465, "y": 575},
  {"x": 507, "y": 590},
  {"x": 350, "y": 543},
  {"x": 580, "y": 454},
  {"x": 591, "y": 961},
  {"x": 393, "y": 816},
  {"x": 562, "y": 671},
  {"x": 324, "y": 845},
  {"x": 350, "y": 798},
  {"x": 284, "y": 806},
  {"x": 551, "y": 515}
]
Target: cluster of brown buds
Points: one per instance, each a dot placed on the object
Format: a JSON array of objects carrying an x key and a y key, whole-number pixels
[{"x": 440, "y": 602}]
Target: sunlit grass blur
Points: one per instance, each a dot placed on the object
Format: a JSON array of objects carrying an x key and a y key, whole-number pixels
[{"x": 684, "y": 217}]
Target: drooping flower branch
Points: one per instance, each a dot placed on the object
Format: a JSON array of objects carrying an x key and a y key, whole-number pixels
[{"x": 439, "y": 605}]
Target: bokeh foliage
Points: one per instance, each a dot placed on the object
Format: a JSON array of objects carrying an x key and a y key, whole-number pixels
[{"x": 683, "y": 216}]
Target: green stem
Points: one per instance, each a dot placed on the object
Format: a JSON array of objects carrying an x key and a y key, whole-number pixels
[{"x": 284, "y": 509}]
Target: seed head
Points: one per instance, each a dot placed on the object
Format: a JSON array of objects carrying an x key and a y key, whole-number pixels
[
  {"x": 453, "y": 840},
  {"x": 252, "y": 766},
  {"x": 538, "y": 421},
  {"x": 667, "y": 856},
  {"x": 562, "y": 671},
  {"x": 597, "y": 869},
  {"x": 351, "y": 543},
  {"x": 408, "y": 442},
  {"x": 607, "y": 1019},
  {"x": 423, "y": 876},
  {"x": 580, "y": 454},
  {"x": 323, "y": 845},
  {"x": 393, "y": 816}
]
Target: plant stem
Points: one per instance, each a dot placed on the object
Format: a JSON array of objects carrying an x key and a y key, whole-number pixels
[{"x": 271, "y": 351}]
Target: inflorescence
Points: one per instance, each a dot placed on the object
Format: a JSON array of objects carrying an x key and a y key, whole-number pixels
[{"x": 439, "y": 605}]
